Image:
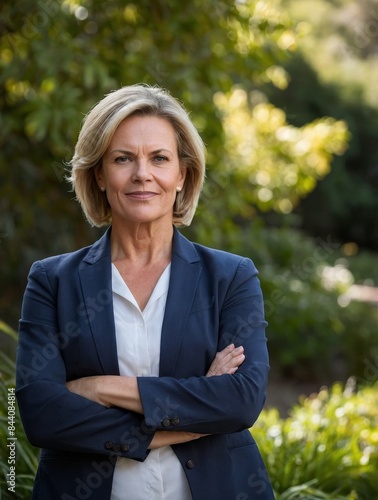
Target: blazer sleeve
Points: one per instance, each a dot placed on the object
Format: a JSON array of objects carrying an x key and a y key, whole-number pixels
[
  {"x": 52, "y": 416},
  {"x": 225, "y": 403}
]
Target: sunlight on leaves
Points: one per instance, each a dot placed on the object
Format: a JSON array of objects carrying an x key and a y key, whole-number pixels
[{"x": 281, "y": 162}]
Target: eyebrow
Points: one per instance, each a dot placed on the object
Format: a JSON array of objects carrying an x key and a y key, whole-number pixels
[{"x": 125, "y": 151}]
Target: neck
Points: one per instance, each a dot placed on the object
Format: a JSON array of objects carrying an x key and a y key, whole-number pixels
[{"x": 141, "y": 242}]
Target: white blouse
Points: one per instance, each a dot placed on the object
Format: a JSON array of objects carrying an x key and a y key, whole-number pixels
[{"x": 138, "y": 335}]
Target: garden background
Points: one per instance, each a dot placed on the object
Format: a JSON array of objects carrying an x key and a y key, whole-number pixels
[{"x": 285, "y": 95}]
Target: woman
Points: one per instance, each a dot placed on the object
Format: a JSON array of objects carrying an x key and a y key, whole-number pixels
[{"x": 142, "y": 359}]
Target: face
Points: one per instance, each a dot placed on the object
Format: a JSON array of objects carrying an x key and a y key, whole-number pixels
[{"x": 141, "y": 171}]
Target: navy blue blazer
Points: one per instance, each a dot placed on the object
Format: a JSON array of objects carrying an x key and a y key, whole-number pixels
[{"x": 67, "y": 331}]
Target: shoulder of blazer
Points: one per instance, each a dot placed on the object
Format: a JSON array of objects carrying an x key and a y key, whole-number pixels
[
  {"x": 68, "y": 262},
  {"x": 194, "y": 252},
  {"x": 216, "y": 262}
]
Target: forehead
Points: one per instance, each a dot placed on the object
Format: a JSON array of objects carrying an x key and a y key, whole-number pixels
[{"x": 145, "y": 130}]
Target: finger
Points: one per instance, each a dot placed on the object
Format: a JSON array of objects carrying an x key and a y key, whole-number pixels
[
  {"x": 236, "y": 365},
  {"x": 237, "y": 351},
  {"x": 235, "y": 362},
  {"x": 229, "y": 357},
  {"x": 224, "y": 356},
  {"x": 238, "y": 360},
  {"x": 226, "y": 360},
  {"x": 230, "y": 367},
  {"x": 225, "y": 352}
]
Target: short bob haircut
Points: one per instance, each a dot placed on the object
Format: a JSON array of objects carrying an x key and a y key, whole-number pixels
[{"x": 97, "y": 131}]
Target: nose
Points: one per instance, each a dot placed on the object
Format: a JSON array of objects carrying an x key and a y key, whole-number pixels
[{"x": 141, "y": 171}]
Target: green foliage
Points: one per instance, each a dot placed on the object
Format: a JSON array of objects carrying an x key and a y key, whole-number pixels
[
  {"x": 327, "y": 448},
  {"x": 336, "y": 69},
  {"x": 282, "y": 162},
  {"x": 361, "y": 263},
  {"x": 307, "y": 491},
  {"x": 26, "y": 455},
  {"x": 312, "y": 335}
]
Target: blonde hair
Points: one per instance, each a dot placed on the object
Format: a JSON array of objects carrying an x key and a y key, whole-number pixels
[{"x": 96, "y": 134}]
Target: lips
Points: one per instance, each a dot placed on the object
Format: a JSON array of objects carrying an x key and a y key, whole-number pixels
[{"x": 141, "y": 195}]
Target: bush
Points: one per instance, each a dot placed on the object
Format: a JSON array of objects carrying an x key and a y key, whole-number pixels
[
  {"x": 327, "y": 448},
  {"x": 26, "y": 455},
  {"x": 312, "y": 335}
]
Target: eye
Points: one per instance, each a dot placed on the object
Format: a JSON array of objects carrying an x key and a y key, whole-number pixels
[
  {"x": 122, "y": 159},
  {"x": 160, "y": 159}
]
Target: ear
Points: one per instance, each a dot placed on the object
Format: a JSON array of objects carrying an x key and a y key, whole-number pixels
[
  {"x": 99, "y": 177},
  {"x": 182, "y": 175}
]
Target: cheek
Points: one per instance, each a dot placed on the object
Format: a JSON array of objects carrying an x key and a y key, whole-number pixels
[
  {"x": 118, "y": 178},
  {"x": 168, "y": 182}
]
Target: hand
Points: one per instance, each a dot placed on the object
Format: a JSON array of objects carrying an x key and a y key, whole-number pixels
[
  {"x": 227, "y": 361},
  {"x": 167, "y": 438}
]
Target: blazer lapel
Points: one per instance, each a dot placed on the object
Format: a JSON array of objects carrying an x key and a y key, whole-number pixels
[
  {"x": 185, "y": 274},
  {"x": 96, "y": 281}
]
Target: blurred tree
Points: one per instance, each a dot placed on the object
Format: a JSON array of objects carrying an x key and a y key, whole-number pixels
[
  {"x": 57, "y": 58},
  {"x": 336, "y": 69}
]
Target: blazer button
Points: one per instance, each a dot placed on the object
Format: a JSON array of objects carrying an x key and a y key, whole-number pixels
[
  {"x": 189, "y": 464},
  {"x": 125, "y": 447},
  {"x": 175, "y": 421},
  {"x": 116, "y": 447},
  {"x": 165, "y": 422},
  {"x": 109, "y": 445}
]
